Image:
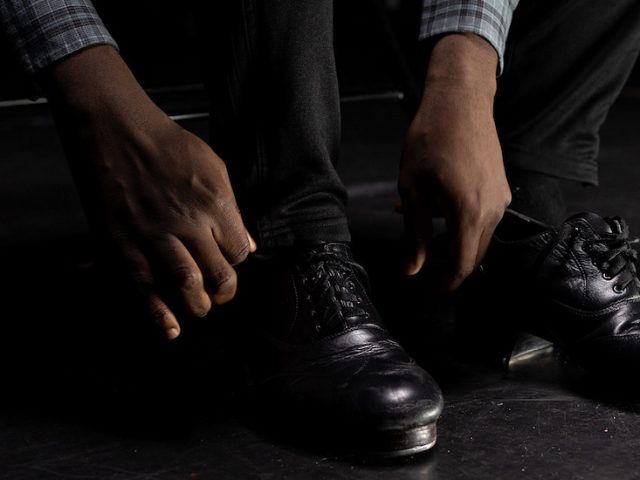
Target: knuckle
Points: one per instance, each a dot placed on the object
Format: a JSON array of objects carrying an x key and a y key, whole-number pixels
[
  {"x": 224, "y": 203},
  {"x": 492, "y": 216},
  {"x": 239, "y": 254},
  {"x": 141, "y": 278},
  {"x": 188, "y": 278},
  {"x": 224, "y": 280},
  {"x": 482, "y": 214},
  {"x": 498, "y": 216},
  {"x": 158, "y": 315},
  {"x": 201, "y": 310}
]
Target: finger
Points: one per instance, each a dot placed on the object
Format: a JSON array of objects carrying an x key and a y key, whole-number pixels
[
  {"x": 230, "y": 234},
  {"x": 418, "y": 232},
  {"x": 183, "y": 277},
  {"x": 220, "y": 279},
  {"x": 161, "y": 315},
  {"x": 142, "y": 278},
  {"x": 466, "y": 240}
]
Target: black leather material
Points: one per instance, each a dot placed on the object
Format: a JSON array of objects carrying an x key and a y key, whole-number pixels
[
  {"x": 576, "y": 286},
  {"x": 323, "y": 360}
]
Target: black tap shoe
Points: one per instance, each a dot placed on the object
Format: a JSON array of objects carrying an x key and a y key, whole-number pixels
[
  {"x": 323, "y": 365},
  {"x": 575, "y": 286}
]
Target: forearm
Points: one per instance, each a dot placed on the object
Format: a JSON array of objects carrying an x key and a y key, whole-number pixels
[
  {"x": 93, "y": 82},
  {"x": 460, "y": 76}
]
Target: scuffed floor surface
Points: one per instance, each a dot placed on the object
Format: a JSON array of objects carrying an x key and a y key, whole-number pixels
[{"x": 87, "y": 395}]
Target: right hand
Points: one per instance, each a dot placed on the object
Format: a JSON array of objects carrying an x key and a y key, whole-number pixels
[{"x": 158, "y": 195}]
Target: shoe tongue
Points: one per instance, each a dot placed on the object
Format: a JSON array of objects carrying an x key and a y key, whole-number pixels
[{"x": 598, "y": 224}]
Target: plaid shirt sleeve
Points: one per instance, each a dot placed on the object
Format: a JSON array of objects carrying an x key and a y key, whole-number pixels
[
  {"x": 490, "y": 19},
  {"x": 44, "y": 31}
]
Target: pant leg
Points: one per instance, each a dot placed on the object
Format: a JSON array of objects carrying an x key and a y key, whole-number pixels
[
  {"x": 566, "y": 62},
  {"x": 275, "y": 115}
]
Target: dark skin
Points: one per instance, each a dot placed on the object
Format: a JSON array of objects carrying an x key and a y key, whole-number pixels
[
  {"x": 161, "y": 201},
  {"x": 159, "y": 197},
  {"x": 452, "y": 161}
]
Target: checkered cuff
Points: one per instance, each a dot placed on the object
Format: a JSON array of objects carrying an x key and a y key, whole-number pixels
[
  {"x": 490, "y": 19},
  {"x": 44, "y": 31}
]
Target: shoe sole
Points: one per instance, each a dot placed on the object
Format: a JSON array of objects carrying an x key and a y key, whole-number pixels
[
  {"x": 361, "y": 442},
  {"x": 396, "y": 444}
]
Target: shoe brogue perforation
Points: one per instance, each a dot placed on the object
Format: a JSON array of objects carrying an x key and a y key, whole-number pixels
[
  {"x": 337, "y": 370},
  {"x": 584, "y": 292}
]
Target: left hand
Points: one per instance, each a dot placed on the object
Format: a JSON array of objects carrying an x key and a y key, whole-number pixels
[{"x": 452, "y": 159}]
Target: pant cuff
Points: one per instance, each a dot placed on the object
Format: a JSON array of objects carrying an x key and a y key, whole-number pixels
[{"x": 333, "y": 229}]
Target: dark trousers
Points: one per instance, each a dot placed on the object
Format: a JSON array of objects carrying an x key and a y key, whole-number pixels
[
  {"x": 275, "y": 112},
  {"x": 566, "y": 62}
]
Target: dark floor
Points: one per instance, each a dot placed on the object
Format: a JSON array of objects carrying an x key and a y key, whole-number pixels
[{"x": 87, "y": 395}]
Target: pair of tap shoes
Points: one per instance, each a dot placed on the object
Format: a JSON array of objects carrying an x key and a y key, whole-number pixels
[{"x": 323, "y": 364}]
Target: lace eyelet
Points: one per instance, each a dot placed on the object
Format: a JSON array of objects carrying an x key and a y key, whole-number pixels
[
  {"x": 618, "y": 288},
  {"x": 606, "y": 276}
]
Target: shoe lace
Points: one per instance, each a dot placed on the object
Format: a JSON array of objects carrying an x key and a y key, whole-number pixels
[
  {"x": 614, "y": 256},
  {"x": 331, "y": 292}
]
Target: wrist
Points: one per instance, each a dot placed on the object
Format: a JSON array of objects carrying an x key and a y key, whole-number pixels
[
  {"x": 463, "y": 61},
  {"x": 93, "y": 84}
]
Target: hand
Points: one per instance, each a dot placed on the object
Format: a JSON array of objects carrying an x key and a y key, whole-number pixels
[
  {"x": 158, "y": 196},
  {"x": 452, "y": 161}
]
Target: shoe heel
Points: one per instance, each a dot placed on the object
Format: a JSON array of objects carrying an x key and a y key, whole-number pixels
[
  {"x": 483, "y": 328},
  {"x": 524, "y": 349}
]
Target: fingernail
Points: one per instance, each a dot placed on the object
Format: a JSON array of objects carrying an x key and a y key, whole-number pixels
[
  {"x": 252, "y": 243},
  {"x": 172, "y": 333},
  {"x": 410, "y": 265}
]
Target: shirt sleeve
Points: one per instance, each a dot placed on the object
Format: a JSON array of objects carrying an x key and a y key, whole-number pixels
[
  {"x": 490, "y": 19},
  {"x": 45, "y": 31}
]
